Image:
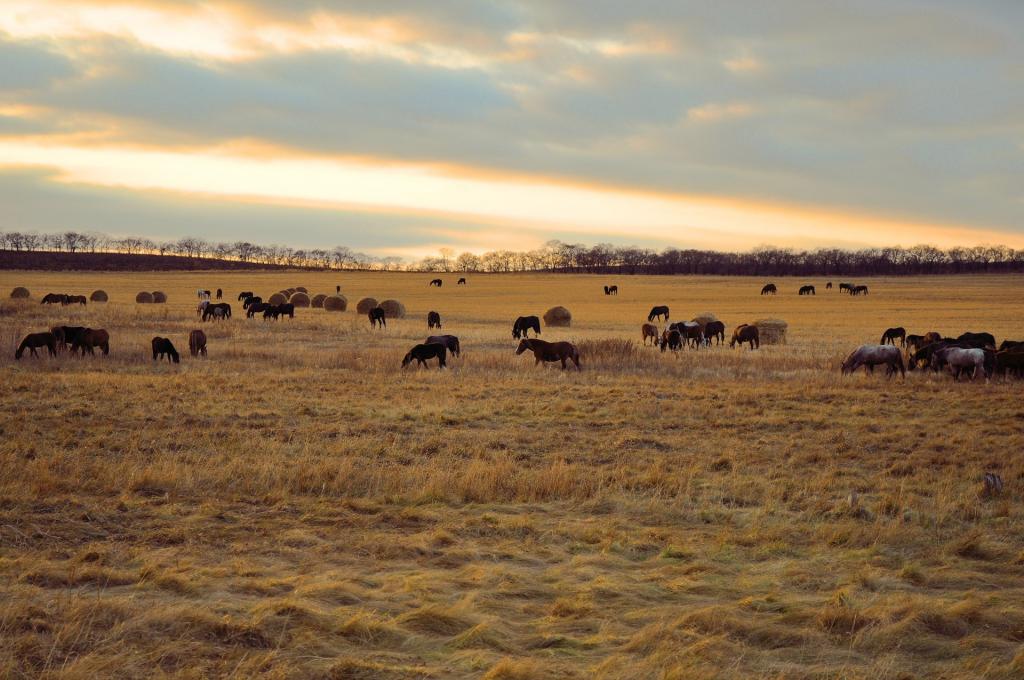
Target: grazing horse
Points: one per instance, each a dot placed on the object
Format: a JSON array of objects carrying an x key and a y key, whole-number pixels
[
  {"x": 217, "y": 310},
  {"x": 1010, "y": 362},
  {"x": 746, "y": 333},
  {"x": 806, "y": 290},
  {"x": 649, "y": 330},
  {"x": 423, "y": 352},
  {"x": 461, "y": 282},
  {"x": 658, "y": 312},
  {"x": 255, "y": 309},
  {"x": 451, "y": 342},
  {"x": 870, "y": 356},
  {"x": 521, "y": 327},
  {"x": 716, "y": 330},
  {"x": 769, "y": 289},
  {"x": 979, "y": 339},
  {"x": 33, "y": 340},
  {"x": 433, "y": 320},
  {"x": 611, "y": 290},
  {"x": 251, "y": 300},
  {"x": 75, "y": 299},
  {"x": 220, "y": 293},
  {"x": 376, "y": 316},
  {"x": 848, "y": 287},
  {"x": 859, "y": 290},
  {"x": 197, "y": 343},
  {"x": 890, "y": 335},
  {"x": 690, "y": 331},
  {"x": 960, "y": 359},
  {"x": 1015, "y": 345},
  {"x": 88, "y": 338},
  {"x": 924, "y": 357},
  {"x": 828, "y": 286},
  {"x": 163, "y": 347},
  {"x": 272, "y": 312},
  {"x": 550, "y": 351},
  {"x": 54, "y": 298},
  {"x": 244, "y": 294},
  {"x": 671, "y": 339},
  {"x": 436, "y": 282},
  {"x": 65, "y": 335}
]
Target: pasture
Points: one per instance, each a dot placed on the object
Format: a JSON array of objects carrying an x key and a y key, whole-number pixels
[{"x": 298, "y": 505}]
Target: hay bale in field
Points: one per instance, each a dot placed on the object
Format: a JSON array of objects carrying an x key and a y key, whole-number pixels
[
  {"x": 318, "y": 300},
  {"x": 557, "y": 316},
  {"x": 20, "y": 292},
  {"x": 299, "y": 299},
  {"x": 704, "y": 318},
  {"x": 98, "y": 296},
  {"x": 335, "y": 303},
  {"x": 393, "y": 309},
  {"x": 159, "y": 297},
  {"x": 290, "y": 291},
  {"x": 772, "y": 331},
  {"x": 301, "y": 289},
  {"x": 144, "y": 298},
  {"x": 277, "y": 299},
  {"x": 365, "y": 305}
]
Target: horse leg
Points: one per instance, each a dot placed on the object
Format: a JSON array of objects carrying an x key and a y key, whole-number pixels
[{"x": 563, "y": 363}]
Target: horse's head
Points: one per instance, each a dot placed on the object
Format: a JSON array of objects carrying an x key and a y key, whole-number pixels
[
  {"x": 524, "y": 345},
  {"x": 407, "y": 360}
]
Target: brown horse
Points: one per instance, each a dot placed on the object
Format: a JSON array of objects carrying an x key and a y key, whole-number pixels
[
  {"x": 75, "y": 300},
  {"x": 930, "y": 337},
  {"x": 197, "y": 343},
  {"x": 746, "y": 333},
  {"x": 649, "y": 330},
  {"x": 716, "y": 330},
  {"x": 89, "y": 338},
  {"x": 891, "y": 334},
  {"x": 550, "y": 351},
  {"x": 449, "y": 341},
  {"x": 33, "y": 340},
  {"x": 658, "y": 311},
  {"x": 433, "y": 320}
]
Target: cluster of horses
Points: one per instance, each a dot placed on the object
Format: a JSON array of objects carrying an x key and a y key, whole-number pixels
[
  {"x": 72, "y": 339},
  {"x": 438, "y": 346},
  {"x": 254, "y": 304},
  {"x": 163, "y": 348},
  {"x": 852, "y": 289},
  {"x": 204, "y": 294},
  {"x": 973, "y": 352},
  {"x": 695, "y": 334},
  {"x": 63, "y": 299},
  {"x": 440, "y": 282}
]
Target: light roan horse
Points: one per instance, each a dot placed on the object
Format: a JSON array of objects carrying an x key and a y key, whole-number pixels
[{"x": 870, "y": 356}]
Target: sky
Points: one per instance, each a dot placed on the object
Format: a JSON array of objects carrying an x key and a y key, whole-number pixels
[{"x": 398, "y": 127}]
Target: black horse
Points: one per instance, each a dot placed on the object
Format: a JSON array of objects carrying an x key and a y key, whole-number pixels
[
  {"x": 672, "y": 340},
  {"x": 806, "y": 290},
  {"x": 828, "y": 286},
  {"x": 891, "y": 334},
  {"x": 421, "y": 353},
  {"x": 1013, "y": 345},
  {"x": 163, "y": 347},
  {"x": 611, "y": 290},
  {"x": 714, "y": 329},
  {"x": 220, "y": 294},
  {"x": 34, "y": 340},
  {"x": 224, "y": 313},
  {"x": 658, "y": 311},
  {"x": 246, "y": 294},
  {"x": 436, "y": 282},
  {"x": 54, "y": 299},
  {"x": 848, "y": 287},
  {"x": 433, "y": 320},
  {"x": 376, "y": 316},
  {"x": 462, "y": 282},
  {"x": 449, "y": 341},
  {"x": 769, "y": 289},
  {"x": 521, "y": 327},
  {"x": 251, "y": 300},
  {"x": 66, "y": 335},
  {"x": 258, "y": 308},
  {"x": 859, "y": 290},
  {"x": 981, "y": 340}
]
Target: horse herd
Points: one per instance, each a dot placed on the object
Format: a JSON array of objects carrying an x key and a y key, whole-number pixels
[
  {"x": 694, "y": 333},
  {"x": 852, "y": 289},
  {"x": 63, "y": 299},
  {"x": 973, "y": 352}
]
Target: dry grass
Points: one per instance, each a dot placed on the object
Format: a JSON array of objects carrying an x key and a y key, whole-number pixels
[{"x": 298, "y": 506}]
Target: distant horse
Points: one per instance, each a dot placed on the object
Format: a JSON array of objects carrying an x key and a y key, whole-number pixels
[
  {"x": 716, "y": 330},
  {"x": 433, "y": 320},
  {"x": 891, "y": 334},
  {"x": 521, "y": 327},
  {"x": 848, "y": 287},
  {"x": 828, "y": 286},
  {"x": 550, "y": 351},
  {"x": 197, "y": 343},
  {"x": 243, "y": 295},
  {"x": 255, "y": 309},
  {"x": 88, "y": 338},
  {"x": 217, "y": 310},
  {"x": 436, "y": 282},
  {"x": 163, "y": 347},
  {"x": 870, "y": 356},
  {"x": 75, "y": 300},
  {"x": 746, "y": 333},
  {"x": 611, "y": 290},
  {"x": 980, "y": 339},
  {"x": 251, "y": 300},
  {"x": 1015, "y": 345},
  {"x": 769, "y": 289},
  {"x": 54, "y": 299},
  {"x": 690, "y": 331},
  {"x": 461, "y": 282},
  {"x": 806, "y": 290},
  {"x": 451, "y": 342},
  {"x": 376, "y": 316},
  {"x": 658, "y": 312},
  {"x": 423, "y": 352},
  {"x": 959, "y": 359},
  {"x": 649, "y": 330},
  {"x": 220, "y": 293},
  {"x": 286, "y": 309},
  {"x": 859, "y": 290},
  {"x": 671, "y": 339},
  {"x": 34, "y": 340}
]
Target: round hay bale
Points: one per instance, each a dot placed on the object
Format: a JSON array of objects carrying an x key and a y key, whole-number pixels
[
  {"x": 299, "y": 299},
  {"x": 20, "y": 292},
  {"x": 98, "y": 296},
  {"x": 290, "y": 291},
  {"x": 704, "y": 318},
  {"x": 558, "y": 316},
  {"x": 393, "y": 309},
  {"x": 159, "y": 297},
  {"x": 277, "y": 299},
  {"x": 365, "y": 305},
  {"x": 318, "y": 300},
  {"x": 144, "y": 298},
  {"x": 302, "y": 289},
  {"x": 772, "y": 331},
  {"x": 336, "y": 303}
]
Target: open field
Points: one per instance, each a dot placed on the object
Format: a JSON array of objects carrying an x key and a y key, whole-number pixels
[{"x": 297, "y": 505}]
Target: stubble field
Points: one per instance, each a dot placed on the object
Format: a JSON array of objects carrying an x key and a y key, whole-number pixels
[{"x": 297, "y": 505}]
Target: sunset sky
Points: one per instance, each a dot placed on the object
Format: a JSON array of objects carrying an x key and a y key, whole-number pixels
[{"x": 399, "y": 127}]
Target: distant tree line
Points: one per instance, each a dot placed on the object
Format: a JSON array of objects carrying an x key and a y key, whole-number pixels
[{"x": 556, "y": 256}]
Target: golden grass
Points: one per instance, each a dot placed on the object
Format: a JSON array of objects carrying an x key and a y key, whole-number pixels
[{"x": 297, "y": 505}]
